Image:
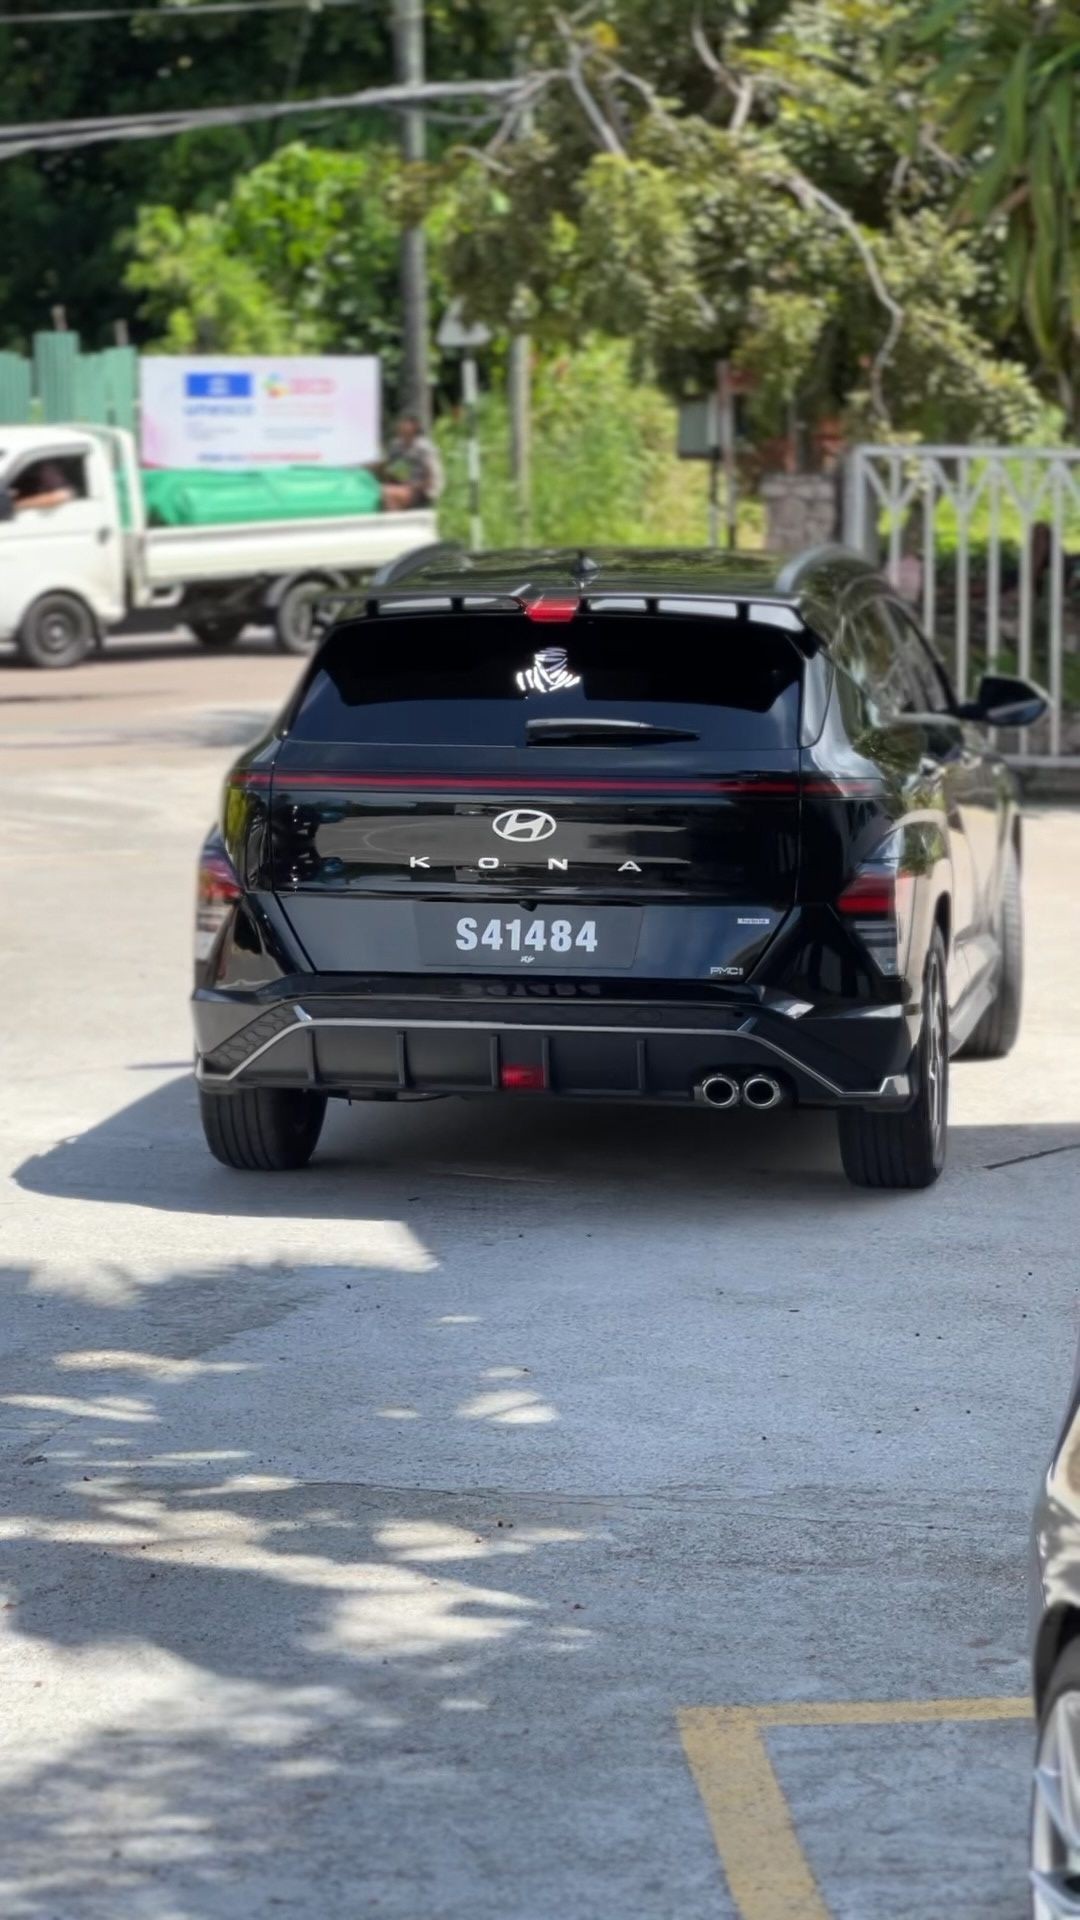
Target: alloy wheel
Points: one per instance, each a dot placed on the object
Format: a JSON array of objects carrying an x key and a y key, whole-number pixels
[{"x": 1055, "y": 1814}]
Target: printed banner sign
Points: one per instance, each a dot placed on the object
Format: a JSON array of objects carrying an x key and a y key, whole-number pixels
[{"x": 227, "y": 412}]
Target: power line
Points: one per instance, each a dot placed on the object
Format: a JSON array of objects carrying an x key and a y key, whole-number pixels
[
  {"x": 55, "y": 135},
  {"x": 193, "y": 12}
]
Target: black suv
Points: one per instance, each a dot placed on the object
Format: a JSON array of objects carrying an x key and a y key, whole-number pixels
[{"x": 663, "y": 827}]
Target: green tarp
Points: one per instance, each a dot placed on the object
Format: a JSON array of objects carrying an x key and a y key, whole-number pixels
[{"x": 180, "y": 498}]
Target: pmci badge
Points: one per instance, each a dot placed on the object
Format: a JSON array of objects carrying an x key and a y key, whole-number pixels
[{"x": 218, "y": 386}]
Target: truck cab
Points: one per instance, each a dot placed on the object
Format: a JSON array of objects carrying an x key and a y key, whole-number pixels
[{"x": 62, "y": 563}]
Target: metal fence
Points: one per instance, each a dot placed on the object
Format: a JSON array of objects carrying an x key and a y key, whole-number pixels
[{"x": 978, "y": 538}]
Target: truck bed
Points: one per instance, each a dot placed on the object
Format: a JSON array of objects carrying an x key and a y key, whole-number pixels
[{"x": 173, "y": 556}]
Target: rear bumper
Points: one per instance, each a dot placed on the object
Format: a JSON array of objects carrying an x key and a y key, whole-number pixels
[{"x": 310, "y": 1033}]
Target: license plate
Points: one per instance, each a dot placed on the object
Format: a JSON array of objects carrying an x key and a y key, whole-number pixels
[{"x": 510, "y": 938}]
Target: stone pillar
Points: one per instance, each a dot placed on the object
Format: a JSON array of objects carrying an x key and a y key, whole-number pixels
[{"x": 800, "y": 511}]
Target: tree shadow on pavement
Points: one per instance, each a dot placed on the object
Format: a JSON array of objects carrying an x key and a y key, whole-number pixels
[{"x": 233, "y": 1690}]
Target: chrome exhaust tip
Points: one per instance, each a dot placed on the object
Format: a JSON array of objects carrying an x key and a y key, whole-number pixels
[
  {"x": 761, "y": 1092},
  {"x": 718, "y": 1090}
]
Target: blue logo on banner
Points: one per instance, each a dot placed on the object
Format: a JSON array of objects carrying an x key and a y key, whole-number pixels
[{"x": 218, "y": 386}]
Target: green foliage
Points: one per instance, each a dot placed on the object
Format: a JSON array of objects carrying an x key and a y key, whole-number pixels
[
  {"x": 65, "y": 212},
  {"x": 743, "y": 178},
  {"x": 771, "y": 201},
  {"x": 203, "y": 299},
  {"x": 605, "y": 468},
  {"x": 1004, "y": 83},
  {"x": 302, "y": 255}
]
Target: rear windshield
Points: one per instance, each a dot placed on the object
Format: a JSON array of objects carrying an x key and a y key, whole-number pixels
[{"x": 480, "y": 679}]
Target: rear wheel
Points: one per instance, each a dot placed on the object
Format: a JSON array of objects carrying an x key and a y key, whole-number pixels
[
  {"x": 997, "y": 1031},
  {"x": 217, "y": 630},
  {"x": 264, "y": 1129},
  {"x": 58, "y": 631},
  {"x": 294, "y": 616},
  {"x": 908, "y": 1149},
  {"x": 1055, "y": 1801}
]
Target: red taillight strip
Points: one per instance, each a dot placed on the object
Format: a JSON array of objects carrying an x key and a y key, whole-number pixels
[
  {"x": 521, "y": 783},
  {"x": 832, "y": 786}
]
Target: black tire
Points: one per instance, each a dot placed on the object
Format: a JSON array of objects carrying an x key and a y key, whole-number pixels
[
  {"x": 295, "y": 629},
  {"x": 908, "y": 1149},
  {"x": 1064, "y": 1679},
  {"x": 996, "y": 1033},
  {"x": 58, "y": 631},
  {"x": 262, "y": 1129},
  {"x": 218, "y": 630}
]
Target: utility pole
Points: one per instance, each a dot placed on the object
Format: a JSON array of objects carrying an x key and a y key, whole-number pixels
[
  {"x": 519, "y": 378},
  {"x": 409, "y": 71}
]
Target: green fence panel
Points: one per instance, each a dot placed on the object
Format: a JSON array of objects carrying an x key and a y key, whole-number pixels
[
  {"x": 90, "y": 396},
  {"x": 122, "y": 387},
  {"x": 56, "y": 358},
  {"x": 16, "y": 391}
]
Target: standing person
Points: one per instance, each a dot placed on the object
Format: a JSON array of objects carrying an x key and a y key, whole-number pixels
[{"x": 412, "y": 472}]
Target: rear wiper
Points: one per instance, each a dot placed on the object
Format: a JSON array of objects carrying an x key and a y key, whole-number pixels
[{"x": 571, "y": 731}]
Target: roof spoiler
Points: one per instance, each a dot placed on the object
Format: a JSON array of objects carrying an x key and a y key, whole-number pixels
[
  {"x": 790, "y": 576},
  {"x": 435, "y": 553}
]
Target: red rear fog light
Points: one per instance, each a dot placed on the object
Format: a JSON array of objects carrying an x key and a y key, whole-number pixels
[{"x": 522, "y": 1079}]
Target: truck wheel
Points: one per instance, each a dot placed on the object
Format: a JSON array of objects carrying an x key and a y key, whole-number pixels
[
  {"x": 218, "y": 630},
  {"x": 294, "y": 616},
  {"x": 58, "y": 631}
]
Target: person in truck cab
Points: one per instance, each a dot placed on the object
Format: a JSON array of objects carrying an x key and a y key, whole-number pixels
[
  {"x": 412, "y": 472},
  {"x": 42, "y": 484}
]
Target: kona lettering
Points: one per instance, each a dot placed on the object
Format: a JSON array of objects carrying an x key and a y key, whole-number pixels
[{"x": 490, "y": 863}]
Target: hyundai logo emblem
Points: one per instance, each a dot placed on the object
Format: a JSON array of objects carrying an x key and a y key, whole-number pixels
[{"x": 524, "y": 824}]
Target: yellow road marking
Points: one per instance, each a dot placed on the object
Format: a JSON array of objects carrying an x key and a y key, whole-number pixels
[{"x": 766, "y": 1869}]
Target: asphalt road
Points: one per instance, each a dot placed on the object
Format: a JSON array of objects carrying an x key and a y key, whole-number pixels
[{"x": 366, "y": 1530}]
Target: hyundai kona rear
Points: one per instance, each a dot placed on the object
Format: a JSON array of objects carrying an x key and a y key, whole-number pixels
[{"x": 580, "y": 833}]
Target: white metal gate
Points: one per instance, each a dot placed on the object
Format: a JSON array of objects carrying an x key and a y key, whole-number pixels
[{"x": 979, "y": 539}]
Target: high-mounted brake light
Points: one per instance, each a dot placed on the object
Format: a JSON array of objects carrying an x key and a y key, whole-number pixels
[
  {"x": 217, "y": 892},
  {"x": 552, "y": 609}
]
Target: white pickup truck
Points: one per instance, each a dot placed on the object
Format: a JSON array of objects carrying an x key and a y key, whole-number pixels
[{"x": 71, "y": 571}]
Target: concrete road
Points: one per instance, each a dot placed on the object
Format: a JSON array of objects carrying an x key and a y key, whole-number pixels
[{"x": 366, "y": 1530}]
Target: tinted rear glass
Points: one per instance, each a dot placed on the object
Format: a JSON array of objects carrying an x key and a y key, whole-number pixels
[{"x": 476, "y": 680}]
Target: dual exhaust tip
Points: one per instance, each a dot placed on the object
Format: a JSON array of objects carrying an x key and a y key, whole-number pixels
[{"x": 758, "y": 1090}]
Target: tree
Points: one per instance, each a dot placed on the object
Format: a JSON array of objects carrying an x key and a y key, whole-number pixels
[
  {"x": 301, "y": 256},
  {"x": 71, "y": 210},
  {"x": 1004, "y": 87},
  {"x": 786, "y": 221}
]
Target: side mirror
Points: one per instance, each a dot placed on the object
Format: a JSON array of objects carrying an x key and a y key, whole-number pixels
[
  {"x": 7, "y": 504},
  {"x": 1004, "y": 700}
]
